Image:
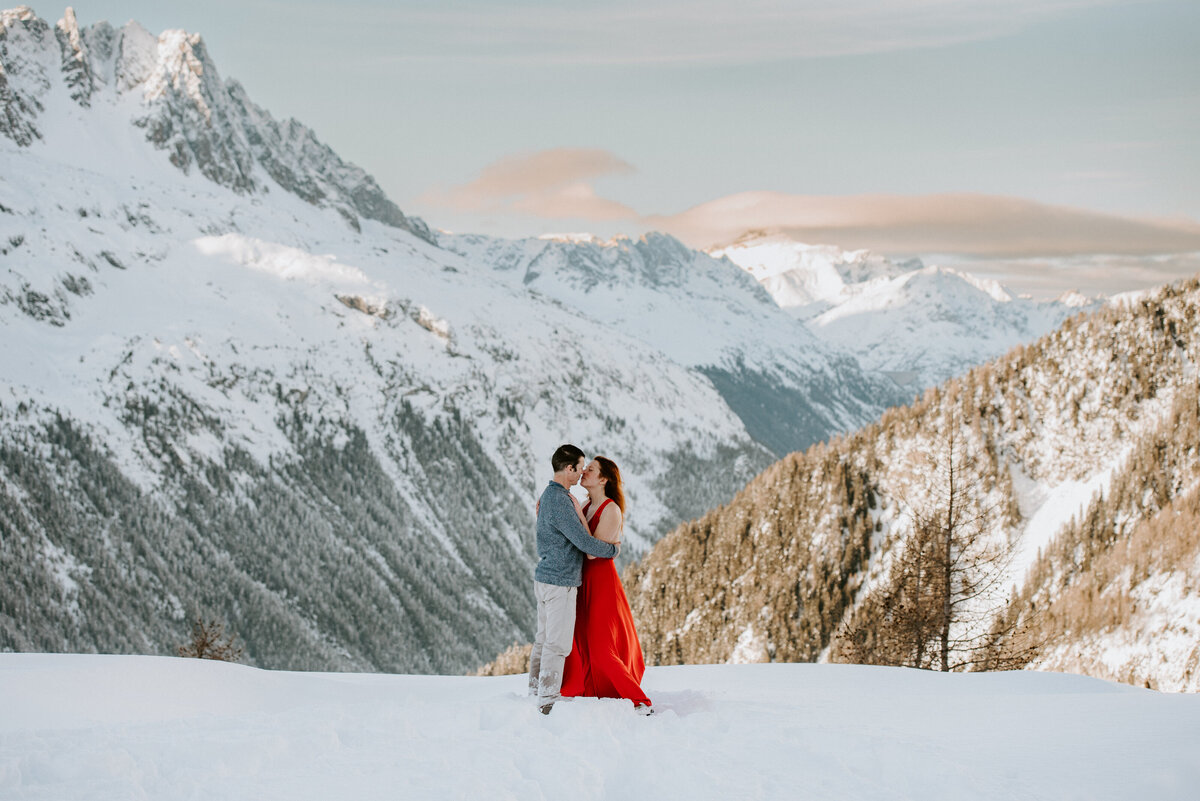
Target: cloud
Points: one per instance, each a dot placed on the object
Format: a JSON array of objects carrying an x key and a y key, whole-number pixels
[
  {"x": 551, "y": 184},
  {"x": 1034, "y": 248},
  {"x": 965, "y": 224},
  {"x": 707, "y": 31},
  {"x": 1089, "y": 274}
]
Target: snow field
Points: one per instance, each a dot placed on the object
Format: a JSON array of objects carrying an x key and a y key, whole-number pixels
[{"x": 100, "y": 727}]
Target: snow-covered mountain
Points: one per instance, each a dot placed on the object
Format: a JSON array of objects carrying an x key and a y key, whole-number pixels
[
  {"x": 788, "y": 387},
  {"x": 920, "y": 325},
  {"x": 236, "y": 379},
  {"x": 168, "y": 87}
]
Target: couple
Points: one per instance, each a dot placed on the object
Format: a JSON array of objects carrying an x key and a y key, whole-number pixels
[{"x": 586, "y": 643}]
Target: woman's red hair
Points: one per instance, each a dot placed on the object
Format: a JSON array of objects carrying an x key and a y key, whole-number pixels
[{"x": 613, "y": 488}]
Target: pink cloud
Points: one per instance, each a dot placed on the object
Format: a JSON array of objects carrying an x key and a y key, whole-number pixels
[
  {"x": 977, "y": 225},
  {"x": 552, "y": 184}
]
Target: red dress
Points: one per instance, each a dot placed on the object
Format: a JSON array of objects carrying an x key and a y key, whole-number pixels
[{"x": 606, "y": 657}]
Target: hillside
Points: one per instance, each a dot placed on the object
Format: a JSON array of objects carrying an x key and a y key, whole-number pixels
[
  {"x": 1117, "y": 594},
  {"x": 118, "y": 727},
  {"x": 1106, "y": 404}
]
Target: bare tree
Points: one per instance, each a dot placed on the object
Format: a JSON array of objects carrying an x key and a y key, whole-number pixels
[
  {"x": 209, "y": 641},
  {"x": 959, "y": 526},
  {"x": 943, "y": 591}
]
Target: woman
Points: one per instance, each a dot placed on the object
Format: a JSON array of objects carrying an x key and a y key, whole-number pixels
[{"x": 606, "y": 658}]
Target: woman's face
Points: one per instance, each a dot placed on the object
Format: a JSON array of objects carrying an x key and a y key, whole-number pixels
[{"x": 591, "y": 476}]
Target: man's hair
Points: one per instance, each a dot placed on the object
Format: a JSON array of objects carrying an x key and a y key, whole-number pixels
[{"x": 566, "y": 456}]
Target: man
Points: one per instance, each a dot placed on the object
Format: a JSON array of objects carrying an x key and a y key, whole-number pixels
[{"x": 562, "y": 540}]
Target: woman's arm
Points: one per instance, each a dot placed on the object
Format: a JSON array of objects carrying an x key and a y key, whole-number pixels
[{"x": 609, "y": 527}]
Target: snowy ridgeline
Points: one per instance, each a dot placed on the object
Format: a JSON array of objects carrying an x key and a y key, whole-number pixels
[
  {"x": 920, "y": 325},
  {"x": 86, "y": 727}
]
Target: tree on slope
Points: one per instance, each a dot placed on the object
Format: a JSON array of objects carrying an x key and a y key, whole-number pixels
[
  {"x": 942, "y": 588},
  {"x": 209, "y": 641}
]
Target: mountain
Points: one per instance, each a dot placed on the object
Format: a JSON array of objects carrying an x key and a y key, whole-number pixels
[
  {"x": 1075, "y": 460},
  {"x": 920, "y": 325},
  {"x": 237, "y": 381},
  {"x": 788, "y": 388},
  {"x": 169, "y": 87}
]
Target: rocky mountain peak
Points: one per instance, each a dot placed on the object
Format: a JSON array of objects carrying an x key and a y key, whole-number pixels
[
  {"x": 11, "y": 16},
  {"x": 204, "y": 123},
  {"x": 76, "y": 68}
]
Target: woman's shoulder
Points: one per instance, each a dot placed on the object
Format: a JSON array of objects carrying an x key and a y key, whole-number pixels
[
  {"x": 606, "y": 505},
  {"x": 610, "y": 507}
]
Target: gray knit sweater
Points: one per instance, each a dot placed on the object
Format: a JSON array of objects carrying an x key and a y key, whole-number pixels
[{"x": 562, "y": 540}]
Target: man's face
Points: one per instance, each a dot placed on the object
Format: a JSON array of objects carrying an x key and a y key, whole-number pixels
[{"x": 577, "y": 472}]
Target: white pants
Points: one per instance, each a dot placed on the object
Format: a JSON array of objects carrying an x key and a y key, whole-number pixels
[{"x": 555, "y": 633}]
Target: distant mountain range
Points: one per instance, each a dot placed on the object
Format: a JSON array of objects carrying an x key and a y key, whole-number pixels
[{"x": 920, "y": 325}]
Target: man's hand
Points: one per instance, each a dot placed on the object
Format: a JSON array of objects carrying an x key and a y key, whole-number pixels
[{"x": 579, "y": 511}]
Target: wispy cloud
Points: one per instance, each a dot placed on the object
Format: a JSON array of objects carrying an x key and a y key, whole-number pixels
[
  {"x": 706, "y": 31},
  {"x": 1033, "y": 247},
  {"x": 966, "y": 224},
  {"x": 1090, "y": 274},
  {"x": 552, "y": 184}
]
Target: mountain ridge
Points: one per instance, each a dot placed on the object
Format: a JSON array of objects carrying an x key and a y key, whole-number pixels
[
  {"x": 204, "y": 123},
  {"x": 919, "y": 324}
]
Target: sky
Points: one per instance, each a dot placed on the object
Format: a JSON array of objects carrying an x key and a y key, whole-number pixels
[{"x": 1051, "y": 144}]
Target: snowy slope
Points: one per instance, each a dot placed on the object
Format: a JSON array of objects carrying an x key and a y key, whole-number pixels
[
  {"x": 116, "y": 727},
  {"x": 921, "y": 325}
]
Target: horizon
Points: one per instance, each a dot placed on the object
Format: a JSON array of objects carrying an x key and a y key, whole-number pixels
[{"x": 524, "y": 119}]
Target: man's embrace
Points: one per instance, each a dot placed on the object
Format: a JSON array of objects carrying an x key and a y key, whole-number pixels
[{"x": 562, "y": 540}]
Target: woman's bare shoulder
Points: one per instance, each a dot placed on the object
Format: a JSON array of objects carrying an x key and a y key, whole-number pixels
[{"x": 611, "y": 511}]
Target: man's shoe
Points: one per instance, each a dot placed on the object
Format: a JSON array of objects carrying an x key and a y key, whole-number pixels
[{"x": 545, "y": 708}]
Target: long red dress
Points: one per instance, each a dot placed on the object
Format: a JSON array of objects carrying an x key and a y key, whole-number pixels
[{"x": 606, "y": 658}]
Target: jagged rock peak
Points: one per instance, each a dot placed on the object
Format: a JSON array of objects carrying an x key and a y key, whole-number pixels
[
  {"x": 204, "y": 123},
  {"x": 18, "y": 14},
  {"x": 17, "y": 108},
  {"x": 77, "y": 70}
]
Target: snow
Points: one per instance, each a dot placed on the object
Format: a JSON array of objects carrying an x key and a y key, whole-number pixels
[
  {"x": 1167, "y": 613},
  {"x": 279, "y": 260},
  {"x": 751, "y": 647},
  {"x": 87, "y": 727},
  {"x": 920, "y": 325},
  {"x": 1046, "y": 508}
]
